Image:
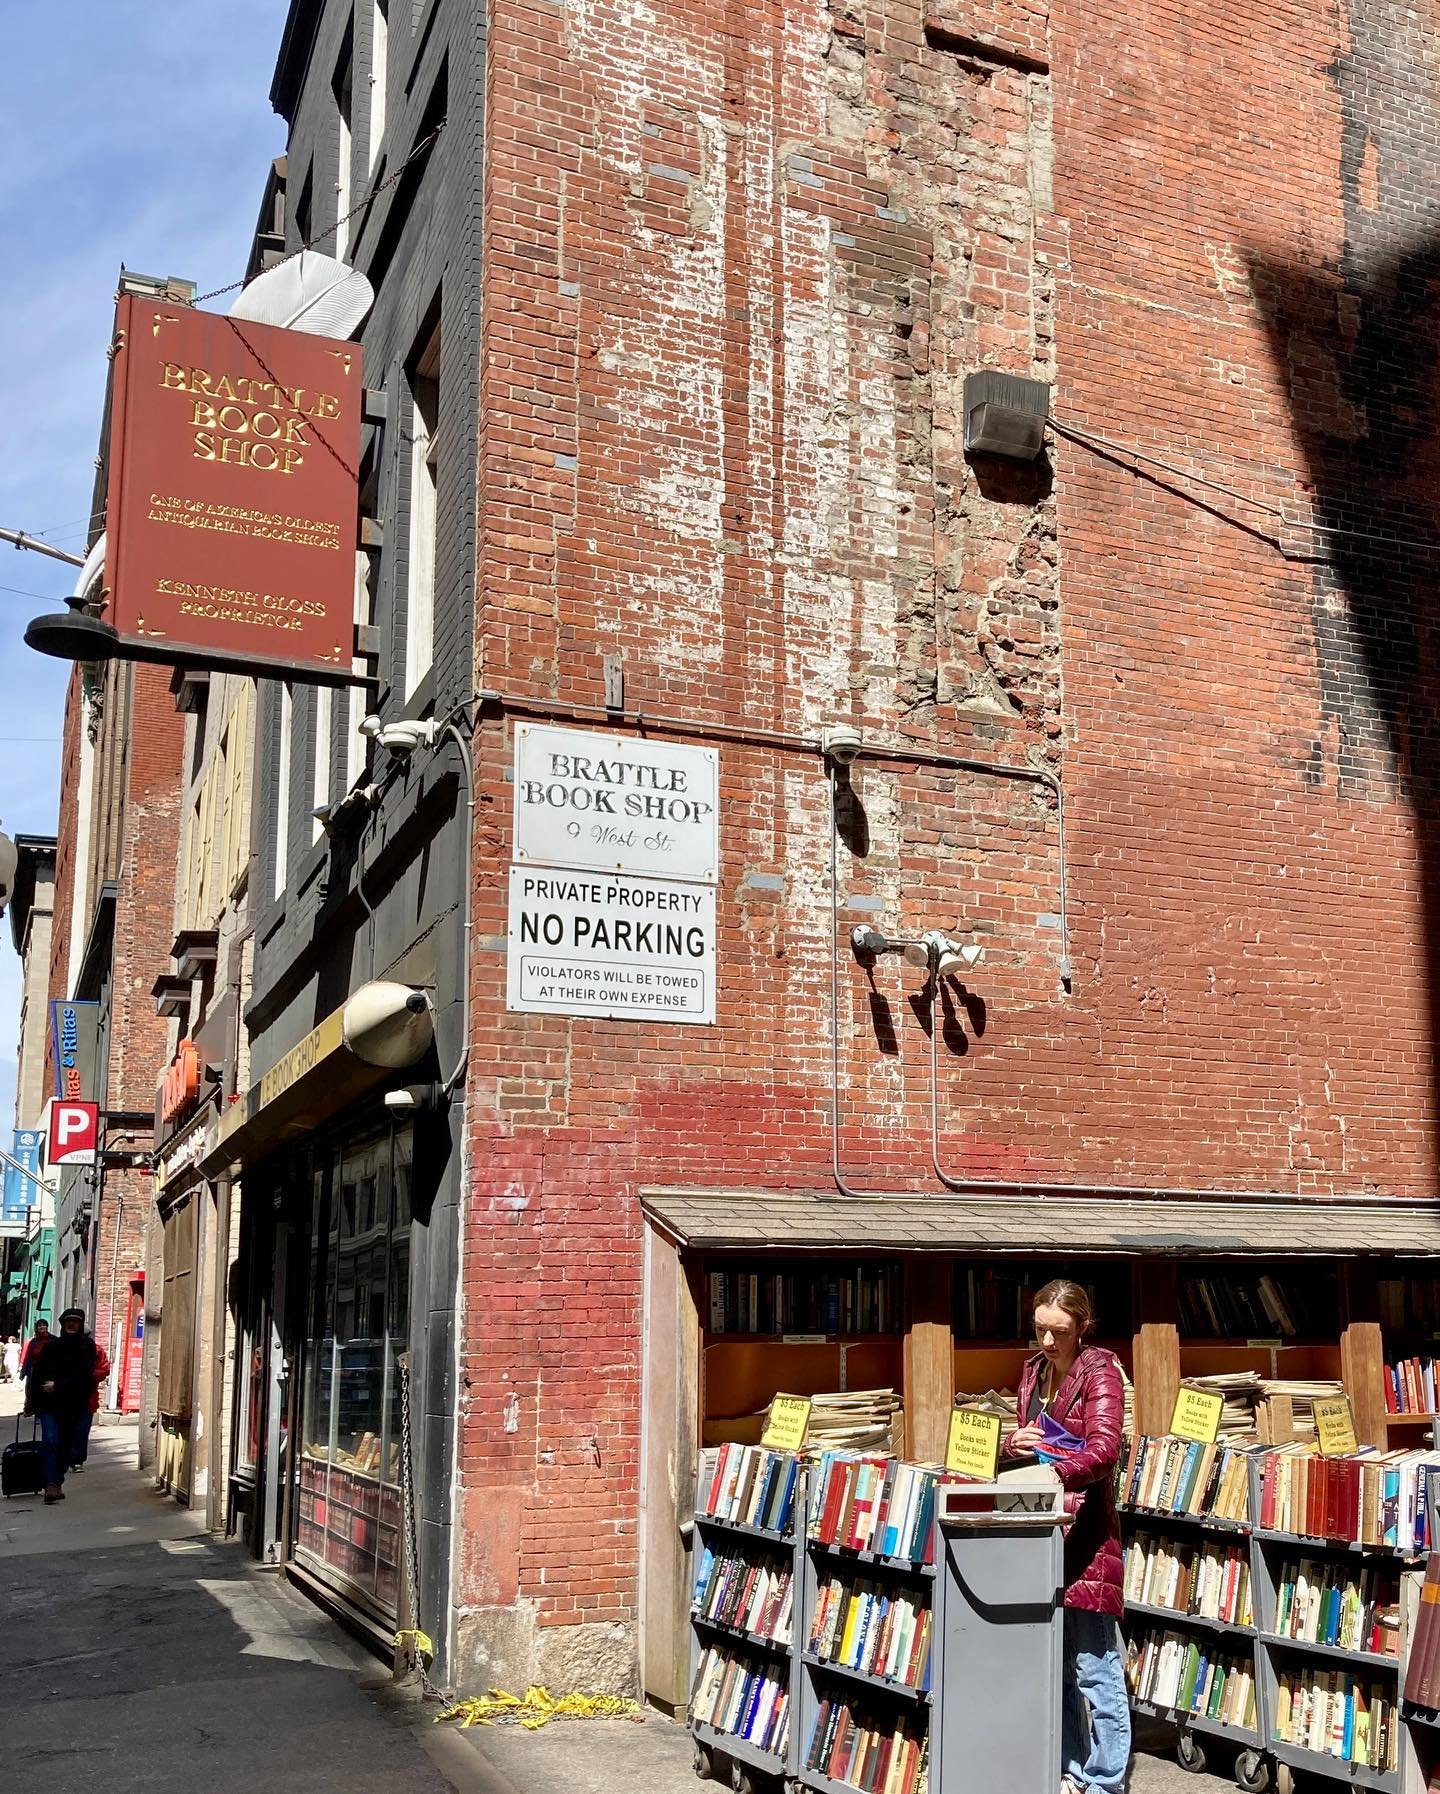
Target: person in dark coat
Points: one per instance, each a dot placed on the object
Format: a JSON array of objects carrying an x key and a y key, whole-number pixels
[
  {"x": 1080, "y": 1387},
  {"x": 62, "y": 1379}
]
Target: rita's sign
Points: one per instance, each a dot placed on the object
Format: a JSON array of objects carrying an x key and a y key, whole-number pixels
[{"x": 231, "y": 520}]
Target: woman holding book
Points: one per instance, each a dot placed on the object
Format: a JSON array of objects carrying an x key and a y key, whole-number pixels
[{"x": 1070, "y": 1388}]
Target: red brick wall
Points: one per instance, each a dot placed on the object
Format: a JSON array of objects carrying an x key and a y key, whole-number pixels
[{"x": 738, "y": 264}]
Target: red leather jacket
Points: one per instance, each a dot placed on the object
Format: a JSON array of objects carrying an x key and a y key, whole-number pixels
[{"x": 1090, "y": 1402}]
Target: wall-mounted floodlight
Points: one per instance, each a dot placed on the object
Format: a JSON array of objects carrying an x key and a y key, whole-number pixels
[
  {"x": 869, "y": 943},
  {"x": 1005, "y": 415},
  {"x": 955, "y": 958}
]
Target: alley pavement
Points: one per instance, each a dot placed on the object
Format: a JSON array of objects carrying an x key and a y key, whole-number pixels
[{"x": 136, "y": 1652}]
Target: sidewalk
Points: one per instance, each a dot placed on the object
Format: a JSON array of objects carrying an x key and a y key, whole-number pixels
[{"x": 136, "y": 1652}]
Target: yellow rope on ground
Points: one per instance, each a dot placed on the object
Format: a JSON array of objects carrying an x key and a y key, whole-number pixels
[{"x": 537, "y": 1707}]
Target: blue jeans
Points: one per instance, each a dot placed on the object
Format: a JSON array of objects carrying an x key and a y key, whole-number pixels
[
  {"x": 80, "y": 1439},
  {"x": 56, "y": 1443},
  {"x": 1095, "y": 1753}
]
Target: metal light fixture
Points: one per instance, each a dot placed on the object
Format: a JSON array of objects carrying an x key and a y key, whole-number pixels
[
  {"x": 869, "y": 943},
  {"x": 932, "y": 951},
  {"x": 1005, "y": 415}
]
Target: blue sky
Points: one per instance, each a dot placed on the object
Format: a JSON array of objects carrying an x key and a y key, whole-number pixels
[{"x": 134, "y": 133}]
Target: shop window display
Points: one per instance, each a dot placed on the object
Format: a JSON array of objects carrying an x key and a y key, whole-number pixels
[{"x": 349, "y": 1502}]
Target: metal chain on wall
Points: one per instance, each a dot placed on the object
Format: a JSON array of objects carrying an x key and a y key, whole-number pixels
[{"x": 414, "y": 1639}]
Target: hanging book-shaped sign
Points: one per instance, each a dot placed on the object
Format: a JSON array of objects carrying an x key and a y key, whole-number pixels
[
  {"x": 1196, "y": 1414},
  {"x": 787, "y": 1423}
]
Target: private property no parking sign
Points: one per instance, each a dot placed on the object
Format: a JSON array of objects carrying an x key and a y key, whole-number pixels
[{"x": 74, "y": 1134}]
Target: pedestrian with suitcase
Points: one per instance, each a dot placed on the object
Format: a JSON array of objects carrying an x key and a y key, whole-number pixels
[{"x": 62, "y": 1380}]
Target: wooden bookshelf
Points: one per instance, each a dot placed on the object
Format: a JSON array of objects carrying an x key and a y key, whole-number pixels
[{"x": 1346, "y": 1319}]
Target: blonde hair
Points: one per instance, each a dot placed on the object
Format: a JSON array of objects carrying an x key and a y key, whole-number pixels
[{"x": 1074, "y": 1298}]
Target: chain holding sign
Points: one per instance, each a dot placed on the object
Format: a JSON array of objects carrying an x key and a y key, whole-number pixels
[
  {"x": 972, "y": 1445},
  {"x": 787, "y": 1423},
  {"x": 1196, "y": 1414},
  {"x": 1335, "y": 1426}
]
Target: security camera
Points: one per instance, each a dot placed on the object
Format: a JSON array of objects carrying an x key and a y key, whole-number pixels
[
  {"x": 412, "y": 1099},
  {"x": 841, "y": 742},
  {"x": 404, "y": 737}
]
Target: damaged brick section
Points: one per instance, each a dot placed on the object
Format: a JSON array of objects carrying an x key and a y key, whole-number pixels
[{"x": 935, "y": 181}]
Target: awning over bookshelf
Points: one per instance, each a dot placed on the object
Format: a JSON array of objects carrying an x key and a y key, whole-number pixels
[{"x": 819, "y": 1221}]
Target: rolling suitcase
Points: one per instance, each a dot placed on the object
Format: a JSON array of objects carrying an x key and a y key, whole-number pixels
[{"x": 20, "y": 1469}]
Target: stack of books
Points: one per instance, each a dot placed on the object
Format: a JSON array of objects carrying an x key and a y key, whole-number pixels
[
  {"x": 1410, "y": 1386},
  {"x": 737, "y": 1693},
  {"x": 1183, "y": 1674},
  {"x": 1329, "y": 1604},
  {"x": 857, "y": 1420},
  {"x": 873, "y": 1626},
  {"x": 1371, "y": 1498},
  {"x": 1208, "y": 1580},
  {"x": 1298, "y": 1397},
  {"x": 1338, "y": 1715},
  {"x": 752, "y": 1485},
  {"x": 1178, "y": 1476},
  {"x": 753, "y": 1595},
  {"x": 867, "y": 1751},
  {"x": 1422, "y": 1672},
  {"x": 1240, "y": 1391},
  {"x": 871, "y": 1503},
  {"x": 1000, "y": 1402}
]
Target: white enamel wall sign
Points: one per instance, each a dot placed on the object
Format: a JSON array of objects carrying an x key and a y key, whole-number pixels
[
  {"x": 585, "y": 943},
  {"x": 616, "y": 803}
]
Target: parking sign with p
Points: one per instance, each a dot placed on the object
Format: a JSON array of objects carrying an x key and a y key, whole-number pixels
[{"x": 74, "y": 1134}]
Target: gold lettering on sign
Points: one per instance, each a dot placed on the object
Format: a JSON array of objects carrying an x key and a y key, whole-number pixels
[{"x": 249, "y": 423}]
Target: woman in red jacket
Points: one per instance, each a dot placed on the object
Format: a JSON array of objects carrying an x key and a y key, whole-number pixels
[{"x": 1080, "y": 1388}]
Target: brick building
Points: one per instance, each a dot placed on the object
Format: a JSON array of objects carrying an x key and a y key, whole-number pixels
[
  {"x": 737, "y": 268},
  {"x": 118, "y": 844},
  {"x": 666, "y": 445}
]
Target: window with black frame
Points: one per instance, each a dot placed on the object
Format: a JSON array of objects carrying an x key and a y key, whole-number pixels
[{"x": 348, "y": 1519}]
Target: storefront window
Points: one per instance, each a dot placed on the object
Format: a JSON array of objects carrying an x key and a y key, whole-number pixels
[{"x": 350, "y": 1466}]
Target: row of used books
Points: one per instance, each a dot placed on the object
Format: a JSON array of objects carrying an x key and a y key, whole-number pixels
[
  {"x": 1207, "y": 1580},
  {"x": 1338, "y": 1715},
  {"x": 866, "y": 1751},
  {"x": 753, "y": 1485},
  {"x": 856, "y": 1298},
  {"x": 1422, "y": 1669},
  {"x": 1179, "y": 1476},
  {"x": 743, "y": 1695},
  {"x": 1370, "y": 1497},
  {"x": 1250, "y": 1306},
  {"x": 1410, "y": 1386},
  {"x": 1188, "y": 1675},
  {"x": 1366, "y": 1497},
  {"x": 872, "y": 1503},
  {"x": 1329, "y": 1604},
  {"x": 752, "y": 1595},
  {"x": 873, "y": 1627}
]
